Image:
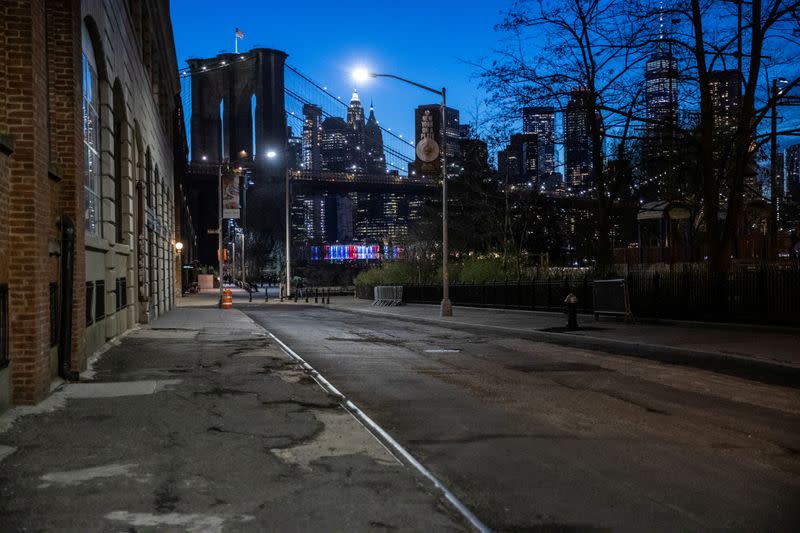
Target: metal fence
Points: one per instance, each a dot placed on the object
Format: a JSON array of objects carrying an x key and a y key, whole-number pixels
[
  {"x": 760, "y": 295},
  {"x": 539, "y": 295}
]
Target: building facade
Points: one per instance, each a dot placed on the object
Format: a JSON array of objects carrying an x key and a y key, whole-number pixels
[{"x": 88, "y": 105}]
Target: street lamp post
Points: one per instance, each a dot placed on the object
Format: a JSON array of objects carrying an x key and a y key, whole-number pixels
[
  {"x": 287, "y": 204},
  {"x": 220, "y": 233},
  {"x": 221, "y": 215},
  {"x": 362, "y": 75}
]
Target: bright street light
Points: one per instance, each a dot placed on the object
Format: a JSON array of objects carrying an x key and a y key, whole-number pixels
[
  {"x": 272, "y": 154},
  {"x": 361, "y": 74}
]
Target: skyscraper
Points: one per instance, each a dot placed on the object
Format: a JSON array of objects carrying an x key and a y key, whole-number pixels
[
  {"x": 578, "y": 140},
  {"x": 661, "y": 91},
  {"x": 660, "y": 149},
  {"x": 793, "y": 170},
  {"x": 724, "y": 89},
  {"x": 518, "y": 163},
  {"x": 374, "y": 159},
  {"x": 542, "y": 121},
  {"x": 334, "y": 150},
  {"x": 312, "y": 132},
  {"x": 355, "y": 134},
  {"x": 294, "y": 158}
]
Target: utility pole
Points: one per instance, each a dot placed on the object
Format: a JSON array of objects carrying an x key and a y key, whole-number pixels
[{"x": 773, "y": 174}]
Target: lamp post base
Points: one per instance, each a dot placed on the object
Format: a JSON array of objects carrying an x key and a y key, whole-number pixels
[{"x": 446, "y": 308}]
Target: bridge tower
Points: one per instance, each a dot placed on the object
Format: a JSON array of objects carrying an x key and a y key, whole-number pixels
[{"x": 238, "y": 115}]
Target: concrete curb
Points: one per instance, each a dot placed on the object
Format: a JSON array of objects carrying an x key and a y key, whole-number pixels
[{"x": 770, "y": 372}]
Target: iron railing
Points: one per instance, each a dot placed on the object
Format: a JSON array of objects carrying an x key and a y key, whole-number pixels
[{"x": 759, "y": 295}]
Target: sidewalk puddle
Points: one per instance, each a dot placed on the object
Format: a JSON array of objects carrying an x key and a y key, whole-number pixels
[
  {"x": 76, "y": 477},
  {"x": 342, "y": 435}
]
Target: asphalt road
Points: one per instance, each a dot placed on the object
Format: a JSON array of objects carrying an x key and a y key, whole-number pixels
[{"x": 537, "y": 437}]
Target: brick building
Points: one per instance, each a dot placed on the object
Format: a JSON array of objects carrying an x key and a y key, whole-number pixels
[{"x": 89, "y": 148}]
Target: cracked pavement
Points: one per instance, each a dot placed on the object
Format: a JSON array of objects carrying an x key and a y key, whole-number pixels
[
  {"x": 534, "y": 436},
  {"x": 215, "y": 429}
]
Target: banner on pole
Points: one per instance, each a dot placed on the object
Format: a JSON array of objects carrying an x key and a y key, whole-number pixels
[{"x": 231, "y": 208}]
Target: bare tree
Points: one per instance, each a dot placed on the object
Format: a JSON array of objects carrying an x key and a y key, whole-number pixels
[
  {"x": 755, "y": 34},
  {"x": 558, "y": 47}
]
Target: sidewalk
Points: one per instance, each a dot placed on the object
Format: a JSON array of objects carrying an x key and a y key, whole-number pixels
[
  {"x": 199, "y": 422},
  {"x": 765, "y": 354}
]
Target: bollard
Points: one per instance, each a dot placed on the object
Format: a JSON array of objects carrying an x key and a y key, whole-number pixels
[
  {"x": 295, "y": 295},
  {"x": 316, "y": 296},
  {"x": 572, "y": 311},
  {"x": 306, "y": 296},
  {"x": 329, "y": 297}
]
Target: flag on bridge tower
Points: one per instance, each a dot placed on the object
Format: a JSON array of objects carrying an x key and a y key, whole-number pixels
[{"x": 239, "y": 35}]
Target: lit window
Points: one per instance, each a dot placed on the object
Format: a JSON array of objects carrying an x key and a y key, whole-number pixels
[{"x": 91, "y": 138}]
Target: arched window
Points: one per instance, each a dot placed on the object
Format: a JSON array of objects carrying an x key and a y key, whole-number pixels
[
  {"x": 91, "y": 137},
  {"x": 148, "y": 178}
]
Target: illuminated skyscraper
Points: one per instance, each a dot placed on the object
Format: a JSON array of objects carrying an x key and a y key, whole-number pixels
[
  {"x": 542, "y": 121},
  {"x": 355, "y": 134},
  {"x": 793, "y": 170},
  {"x": 724, "y": 89},
  {"x": 661, "y": 92},
  {"x": 334, "y": 146},
  {"x": 312, "y": 132},
  {"x": 374, "y": 159},
  {"x": 578, "y": 141}
]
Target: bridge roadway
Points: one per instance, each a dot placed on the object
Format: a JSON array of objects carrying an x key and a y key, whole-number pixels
[{"x": 306, "y": 181}]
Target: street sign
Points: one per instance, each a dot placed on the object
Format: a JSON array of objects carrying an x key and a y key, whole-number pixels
[
  {"x": 427, "y": 150},
  {"x": 213, "y": 232}
]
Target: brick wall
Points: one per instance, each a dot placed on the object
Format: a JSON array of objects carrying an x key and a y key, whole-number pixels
[
  {"x": 43, "y": 178},
  {"x": 29, "y": 216}
]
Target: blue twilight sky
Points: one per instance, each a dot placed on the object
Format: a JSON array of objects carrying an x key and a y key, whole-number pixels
[{"x": 425, "y": 41}]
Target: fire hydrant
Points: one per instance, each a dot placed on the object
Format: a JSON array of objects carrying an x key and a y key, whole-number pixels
[{"x": 571, "y": 302}]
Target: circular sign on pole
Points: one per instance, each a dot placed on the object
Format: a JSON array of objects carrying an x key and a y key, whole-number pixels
[{"x": 427, "y": 150}]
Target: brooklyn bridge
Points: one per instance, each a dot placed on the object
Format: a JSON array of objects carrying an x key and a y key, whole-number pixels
[{"x": 252, "y": 114}]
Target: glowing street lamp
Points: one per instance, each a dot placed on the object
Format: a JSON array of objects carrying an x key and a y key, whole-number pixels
[{"x": 361, "y": 74}]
